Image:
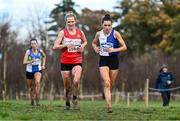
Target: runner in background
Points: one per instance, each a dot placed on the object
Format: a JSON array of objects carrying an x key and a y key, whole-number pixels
[{"x": 35, "y": 60}]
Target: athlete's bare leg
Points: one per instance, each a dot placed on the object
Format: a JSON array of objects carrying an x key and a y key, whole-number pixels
[
  {"x": 66, "y": 75},
  {"x": 76, "y": 72},
  {"x": 37, "y": 77},
  {"x": 30, "y": 84},
  {"x": 104, "y": 71},
  {"x": 113, "y": 75}
]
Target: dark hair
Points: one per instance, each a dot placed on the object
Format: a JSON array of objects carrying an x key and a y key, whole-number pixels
[
  {"x": 107, "y": 17},
  {"x": 33, "y": 39}
]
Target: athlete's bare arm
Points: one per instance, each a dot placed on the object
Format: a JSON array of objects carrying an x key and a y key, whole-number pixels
[
  {"x": 44, "y": 59},
  {"x": 58, "y": 42},
  {"x": 122, "y": 47},
  {"x": 95, "y": 42},
  {"x": 121, "y": 42},
  {"x": 25, "y": 61},
  {"x": 84, "y": 43}
]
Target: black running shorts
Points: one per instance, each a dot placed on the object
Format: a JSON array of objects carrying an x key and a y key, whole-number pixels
[
  {"x": 111, "y": 61},
  {"x": 68, "y": 67},
  {"x": 30, "y": 75}
]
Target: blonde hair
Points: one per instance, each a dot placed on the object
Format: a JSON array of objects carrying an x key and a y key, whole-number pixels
[{"x": 70, "y": 14}]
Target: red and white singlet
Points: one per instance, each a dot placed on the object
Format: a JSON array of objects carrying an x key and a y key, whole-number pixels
[{"x": 71, "y": 55}]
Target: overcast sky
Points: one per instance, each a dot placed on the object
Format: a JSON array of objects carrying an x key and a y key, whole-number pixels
[
  {"x": 20, "y": 7},
  {"x": 18, "y": 10}
]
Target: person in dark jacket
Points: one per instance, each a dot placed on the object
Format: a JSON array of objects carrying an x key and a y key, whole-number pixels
[{"x": 163, "y": 82}]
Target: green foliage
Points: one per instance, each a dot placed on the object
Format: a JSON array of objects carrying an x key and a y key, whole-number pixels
[
  {"x": 176, "y": 32},
  {"x": 149, "y": 24}
]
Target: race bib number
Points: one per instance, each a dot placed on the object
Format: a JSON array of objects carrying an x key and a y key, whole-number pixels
[
  {"x": 103, "y": 48},
  {"x": 106, "y": 45},
  {"x": 37, "y": 62},
  {"x": 75, "y": 42},
  {"x": 74, "y": 48}
]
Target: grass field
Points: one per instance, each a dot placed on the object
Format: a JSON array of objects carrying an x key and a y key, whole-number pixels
[{"x": 90, "y": 110}]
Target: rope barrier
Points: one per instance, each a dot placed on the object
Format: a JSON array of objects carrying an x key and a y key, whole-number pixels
[
  {"x": 164, "y": 90},
  {"x": 134, "y": 96}
]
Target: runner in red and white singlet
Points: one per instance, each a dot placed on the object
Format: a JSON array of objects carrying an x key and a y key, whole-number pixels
[
  {"x": 72, "y": 55},
  {"x": 71, "y": 41}
]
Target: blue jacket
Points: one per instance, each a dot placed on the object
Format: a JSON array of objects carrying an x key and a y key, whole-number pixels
[{"x": 163, "y": 77}]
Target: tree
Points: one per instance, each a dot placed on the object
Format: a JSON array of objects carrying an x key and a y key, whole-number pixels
[
  {"x": 58, "y": 14},
  {"x": 8, "y": 39},
  {"x": 172, "y": 9},
  {"x": 147, "y": 24},
  {"x": 4, "y": 36},
  {"x": 91, "y": 21}
]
